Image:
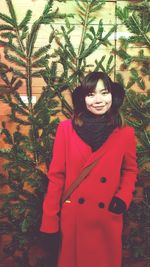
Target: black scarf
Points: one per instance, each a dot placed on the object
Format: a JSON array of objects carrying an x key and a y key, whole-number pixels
[{"x": 96, "y": 129}]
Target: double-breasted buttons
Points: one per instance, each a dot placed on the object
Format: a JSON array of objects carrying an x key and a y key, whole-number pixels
[
  {"x": 103, "y": 179},
  {"x": 101, "y": 205},
  {"x": 81, "y": 200}
]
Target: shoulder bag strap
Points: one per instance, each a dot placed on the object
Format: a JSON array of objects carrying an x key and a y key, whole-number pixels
[{"x": 79, "y": 179}]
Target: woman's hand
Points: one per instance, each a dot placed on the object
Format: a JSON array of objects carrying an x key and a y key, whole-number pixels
[{"x": 117, "y": 205}]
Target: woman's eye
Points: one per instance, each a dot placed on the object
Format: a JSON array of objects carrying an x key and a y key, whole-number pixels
[
  {"x": 91, "y": 94},
  {"x": 105, "y": 93}
]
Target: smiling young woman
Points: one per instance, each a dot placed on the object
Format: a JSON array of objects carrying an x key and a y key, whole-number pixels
[
  {"x": 90, "y": 220},
  {"x": 99, "y": 101}
]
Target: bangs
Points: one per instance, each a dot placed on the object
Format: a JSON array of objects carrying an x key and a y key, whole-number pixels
[{"x": 90, "y": 82}]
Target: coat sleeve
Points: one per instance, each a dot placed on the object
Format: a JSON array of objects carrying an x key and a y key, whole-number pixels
[
  {"x": 56, "y": 176},
  {"x": 129, "y": 170}
]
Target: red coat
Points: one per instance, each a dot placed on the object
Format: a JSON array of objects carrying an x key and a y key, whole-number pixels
[{"x": 91, "y": 235}]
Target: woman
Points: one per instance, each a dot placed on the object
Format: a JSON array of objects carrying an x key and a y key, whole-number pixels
[{"x": 91, "y": 218}]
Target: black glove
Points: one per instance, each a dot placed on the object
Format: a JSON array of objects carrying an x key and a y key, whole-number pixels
[
  {"x": 117, "y": 205},
  {"x": 50, "y": 242}
]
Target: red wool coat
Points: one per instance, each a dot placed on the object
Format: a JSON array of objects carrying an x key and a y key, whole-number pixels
[{"x": 91, "y": 235}]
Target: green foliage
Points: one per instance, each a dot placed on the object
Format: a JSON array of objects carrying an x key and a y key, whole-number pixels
[
  {"x": 136, "y": 110},
  {"x": 29, "y": 145},
  {"x": 74, "y": 60},
  {"x": 28, "y": 156}
]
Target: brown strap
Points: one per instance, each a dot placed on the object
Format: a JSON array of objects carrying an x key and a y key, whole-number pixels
[{"x": 79, "y": 179}]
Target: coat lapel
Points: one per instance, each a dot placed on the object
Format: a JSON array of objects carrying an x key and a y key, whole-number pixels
[{"x": 99, "y": 153}]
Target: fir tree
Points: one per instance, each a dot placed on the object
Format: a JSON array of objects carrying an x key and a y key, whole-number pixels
[
  {"x": 135, "y": 16},
  {"x": 29, "y": 147}
]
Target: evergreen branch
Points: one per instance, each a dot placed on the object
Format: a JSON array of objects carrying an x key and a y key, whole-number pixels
[
  {"x": 109, "y": 62},
  {"x": 29, "y": 81},
  {"x": 54, "y": 15},
  {"x": 8, "y": 35},
  {"x": 84, "y": 30},
  {"x": 97, "y": 41},
  {"x": 15, "y": 60},
  {"x": 41, "y": 62},
  {"x": 68, "y": 57},
  {"x": 32, "y": 37},
  {"x": 13, "y": 48},
  {"x": 134, "y": 104},
  {"x": 18, "y": 98},
  {"x": 4, "y": 78},
  {"x": 122, "y": 14},
  {"x": 66, "y": 114},
  {"x": 68, "y": 42},
  {"x": 16, "y": 108},
  {"x": 41, "y": 51},
  {"x": 17, "y": 85},
  {"x": 8, "y": 138},
  {"x": 109, "y": 33},
  {"x": 146, "y": 138},
  {"x": 36, "y": 74},
  {"x": 136, "y": 78},
  {"x": 12, "y": 11},
  {"x": 143, "y": 160},
  {"x": 53, "y": 71},
  {"x": 25, "y": 20},
  {"x": 13, "y": 80},
  {"x": 142, "y": 150},
  {"x": 18, "y": 73},
  {"x": 99, "y": 64},
  {"x": 15, "y": 24},
  {"x": 136, "y": 39},
  {"x": 48, "y": 7},
  {"x": 44, "y": 19},
  {"x": 13, "y": 117},
  {"x": 4, "y": 27},
  {"x": 64, "y": 102},
  {"x": 98, "y": 6},
  {"x": 7, "y": 19},
  {"x": 90, "y": 20},
  {"x": 133, "y": 21},
  {"x": 24, "y": 33},
  {"x": 81, "y": 6}
]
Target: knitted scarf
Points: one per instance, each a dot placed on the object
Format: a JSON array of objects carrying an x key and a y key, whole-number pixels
[{"x": 96, "y": 129}]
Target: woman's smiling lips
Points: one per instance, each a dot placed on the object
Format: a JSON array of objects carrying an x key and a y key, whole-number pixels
[{"x": 98, "y": 107}]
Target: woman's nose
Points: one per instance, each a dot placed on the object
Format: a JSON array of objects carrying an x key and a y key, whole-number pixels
[{"x": 98, "y": 98}]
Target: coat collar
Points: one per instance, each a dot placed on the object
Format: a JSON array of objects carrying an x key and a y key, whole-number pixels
[{"x": 100, "y": 152}]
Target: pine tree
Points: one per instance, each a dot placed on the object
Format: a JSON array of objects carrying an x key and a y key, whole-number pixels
[
  {"x": 135, "y": 16},
  {"x": 29, "y": 147}
]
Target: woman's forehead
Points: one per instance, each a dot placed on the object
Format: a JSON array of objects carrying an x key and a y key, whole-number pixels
[{"x": 100, "y": 86}]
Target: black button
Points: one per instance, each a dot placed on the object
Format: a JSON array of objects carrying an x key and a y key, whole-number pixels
[
  {"x": 81, "y": 200},
  {"x": 101, "y": 205},
  {"x": 103, "y": 179}
]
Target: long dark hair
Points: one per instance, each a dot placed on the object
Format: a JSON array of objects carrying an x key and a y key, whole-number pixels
[{"x": 88, "y": 85}]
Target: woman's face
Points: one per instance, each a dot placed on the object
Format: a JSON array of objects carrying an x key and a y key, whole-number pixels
[{"x": 100, "y": 100}]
